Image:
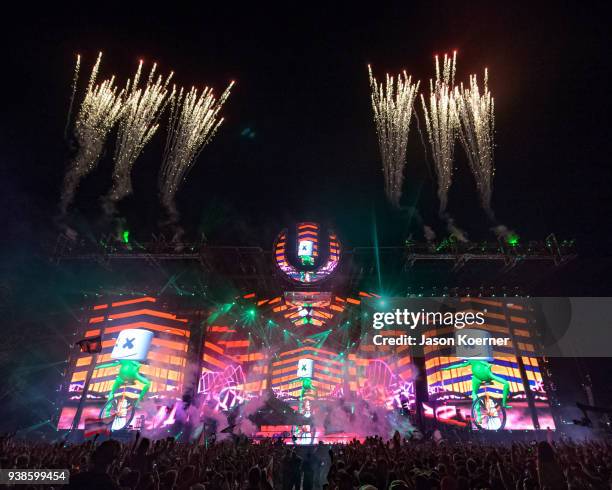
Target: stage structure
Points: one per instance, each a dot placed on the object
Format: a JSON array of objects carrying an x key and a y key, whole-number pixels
[
  {"x": 439, "y": 268},
  {"x": 449, "y": 390},
  {"x": 303, "y": 348},
  {"x": 163, "y": 366},
  {"x": 290, "y": 351}
]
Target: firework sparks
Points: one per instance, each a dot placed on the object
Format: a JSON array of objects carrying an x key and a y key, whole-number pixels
[
  {"x": 99, "y": 112},
  {"x": 441, "y": 123},
  {"x": 194, "y": 120},
  {"x": 393, "y": 102},
  {"x": 476, "y": 131},
  {"x": 75, "y": 80},
  {"x": 143, "y": 107}
]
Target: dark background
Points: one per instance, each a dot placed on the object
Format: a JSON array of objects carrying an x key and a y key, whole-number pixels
[{"x": 302, "y": 89}]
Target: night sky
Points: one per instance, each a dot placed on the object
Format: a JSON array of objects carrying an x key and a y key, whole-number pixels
[{"x": 302, "y": 90}]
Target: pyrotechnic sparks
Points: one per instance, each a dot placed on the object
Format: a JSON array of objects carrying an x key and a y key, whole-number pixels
[
  {"x": 476, "y": 132},
  {"x": 441, "y": 123},
  {"x": 143, "y": 106},
  {"x": 194, "y": 120},
  {"x": 393, "y": 102},
  {"x": 100, "y": 110},
  {"x": 75, "y": 80}
]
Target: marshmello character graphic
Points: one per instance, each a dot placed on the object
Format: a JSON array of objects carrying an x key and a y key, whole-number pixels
[
  {"x": 304, "y": 372},
  {"x": 130, "y": 351},
  {"x": 480, "y": 358}
]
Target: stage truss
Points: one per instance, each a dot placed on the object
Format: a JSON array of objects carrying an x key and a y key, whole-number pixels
[{"x": 437, "y": 268}]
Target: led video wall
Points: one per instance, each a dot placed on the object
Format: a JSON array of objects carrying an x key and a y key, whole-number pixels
[
  {"x": 275, "y": 343},
  {"x": 152, "y": 340},
  {"x": 307, "y": 242},
  {"x": 311, "y": 349},
  {"x": 450, "y": 390}
]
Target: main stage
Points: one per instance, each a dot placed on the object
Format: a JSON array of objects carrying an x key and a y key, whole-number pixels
[{"x": 287, "y": 354}]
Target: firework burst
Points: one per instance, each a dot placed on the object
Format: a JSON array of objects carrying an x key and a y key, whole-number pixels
[
  {"x": 100, "y": 110},
  {"x": 441, "y": 123},
  {"x": 75, "y": 80},
  {"x": 476, "y": 132},
  {"x": 194, "y": 120},
  {"x": 143, "y": 107},
  {"x": 392, "y": 103}
]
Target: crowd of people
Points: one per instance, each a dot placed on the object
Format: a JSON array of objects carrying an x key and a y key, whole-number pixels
[{"x": 372, "y": 464}]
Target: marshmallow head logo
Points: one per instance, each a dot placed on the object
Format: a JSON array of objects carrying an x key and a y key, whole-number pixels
[
  {"x": 305, "y": 248},
  {"x": 476, "y": 352},
  {"x": 305, "y": 368},
  {"x": 132, "y": 344}
]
